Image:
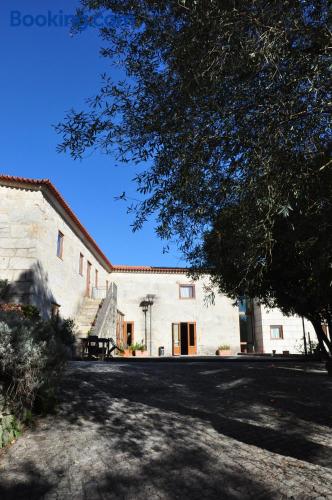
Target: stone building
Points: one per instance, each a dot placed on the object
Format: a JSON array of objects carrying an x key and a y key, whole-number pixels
[{"x": 51, "y": 261}]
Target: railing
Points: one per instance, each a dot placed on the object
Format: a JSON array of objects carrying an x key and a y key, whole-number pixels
[{"x": 105, "y": 326}]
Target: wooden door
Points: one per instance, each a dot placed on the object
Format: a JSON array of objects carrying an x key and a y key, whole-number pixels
[
  {"x": 176, "y": 339},
  {"x": 192, "y": 343},
  {"x": 88, "y": 279},
  {"x": 128, "y": 333},
  {"x": 119, "y": 328}
]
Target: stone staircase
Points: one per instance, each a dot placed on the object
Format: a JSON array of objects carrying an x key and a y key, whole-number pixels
[{"x": 87, "y": 315}]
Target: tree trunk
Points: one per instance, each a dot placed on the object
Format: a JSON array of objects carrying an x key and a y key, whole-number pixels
[
  {"x": 325, "y": 344},
  {"x": 329, "y": 324},
  {"x": 329, "y": 361}
]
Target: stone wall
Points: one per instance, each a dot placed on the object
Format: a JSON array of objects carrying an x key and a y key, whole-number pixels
[
  {"x": 19, "y": 228},
  {"x": 63, "y": 278},
  {"x": 30, "y": 220}
]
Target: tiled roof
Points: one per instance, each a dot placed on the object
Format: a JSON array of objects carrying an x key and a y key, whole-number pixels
[
  {"x": 149, "y": 269},
  {"x": 10, "y": 180}
]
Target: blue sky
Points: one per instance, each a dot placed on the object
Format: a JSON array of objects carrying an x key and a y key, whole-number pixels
[{"x": 44, "y": 72}]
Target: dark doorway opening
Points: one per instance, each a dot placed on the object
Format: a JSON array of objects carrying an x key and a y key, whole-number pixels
[
  {"x": 184, "y": 338},
  {"x": 128, "y": 333}
]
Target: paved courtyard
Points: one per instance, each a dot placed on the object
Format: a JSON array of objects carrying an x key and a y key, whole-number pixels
[{"x": 151, "y": 430}]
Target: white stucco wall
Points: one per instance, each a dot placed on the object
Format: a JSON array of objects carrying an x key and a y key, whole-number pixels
[
  {"x": 292, "y": 339},
  {"x": 215, "y": 324},
  {"x": 29, "y": 225}
]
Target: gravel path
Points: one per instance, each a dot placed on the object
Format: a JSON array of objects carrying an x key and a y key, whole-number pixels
[{"x": 179, "y": 431}]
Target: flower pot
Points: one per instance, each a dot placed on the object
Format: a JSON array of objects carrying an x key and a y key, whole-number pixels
[
  {"x": 126, "y": 353},
  {"x": 224, "y": 352},
  {"x": 140, "y": 353}
]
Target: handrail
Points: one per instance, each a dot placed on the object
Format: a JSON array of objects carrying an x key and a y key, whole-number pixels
[{"x": 106, "y": 318}]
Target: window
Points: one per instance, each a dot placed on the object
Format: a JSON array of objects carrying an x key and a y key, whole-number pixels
[
  {"x": 107, "y": 285},
  {"x": 96, "y": 279},
  {"x": 187, "y": 291},
  {"x": 59, "y": 248},
  {"x": 81, "y": 264},
  {"x": 276, "y": 332}
]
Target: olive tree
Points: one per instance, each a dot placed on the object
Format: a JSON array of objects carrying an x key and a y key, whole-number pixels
[{"x": 230, "y": 101}]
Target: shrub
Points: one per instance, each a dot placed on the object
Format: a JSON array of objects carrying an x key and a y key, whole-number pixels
[
  {"x": 224, "y": 347},
  {"x": 312, "y": 347},
  {"x": 137, "y": 347},
  {"x": 30, "y": 312},
  {"x": 32, "y": 355},
  {"x": 4, "y": 286}
]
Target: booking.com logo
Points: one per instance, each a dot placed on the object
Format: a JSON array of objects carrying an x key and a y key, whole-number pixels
[{"x": 61, "y": 20}]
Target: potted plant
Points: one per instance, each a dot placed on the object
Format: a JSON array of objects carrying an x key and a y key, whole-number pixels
[
  {"x": 126, "y": 350},
  {"x": 224, "y": 350},
  {"x": 139, "y": 349}
]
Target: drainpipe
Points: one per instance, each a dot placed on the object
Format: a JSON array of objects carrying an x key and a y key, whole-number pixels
[
  {"x": 151, "y": 329},
  {"x": 150, "y": 300},
  {"x": 145, "y": 329},
  {"x": 252, "y": 321}
]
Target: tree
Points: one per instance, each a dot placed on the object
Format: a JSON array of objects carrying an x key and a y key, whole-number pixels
[
  {"x": 231, "y": 101},
  {"x": 294, "y": 273}
]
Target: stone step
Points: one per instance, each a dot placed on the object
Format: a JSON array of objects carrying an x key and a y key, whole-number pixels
[
  {"x": 84, "y": 314},
  {"x": 88, "y": 311},
  {"x": 95, "y": 303},
  {"x": 87, "y": 315},
  {"x": 85, "y": 320},
  {"x": 84, "y": 323}
]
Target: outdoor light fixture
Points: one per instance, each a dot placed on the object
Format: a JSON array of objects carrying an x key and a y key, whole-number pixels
[
  {"x": 145, "y": 307},
  {"x": 147, "y": 304}
]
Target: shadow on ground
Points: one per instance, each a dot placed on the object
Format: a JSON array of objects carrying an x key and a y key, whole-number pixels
[{"x": 184, "y": 431}]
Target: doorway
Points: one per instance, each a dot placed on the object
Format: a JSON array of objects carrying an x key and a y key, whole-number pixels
[
  {"x": 128, "y": 333},
  {"x": 184, "y": 339}
]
